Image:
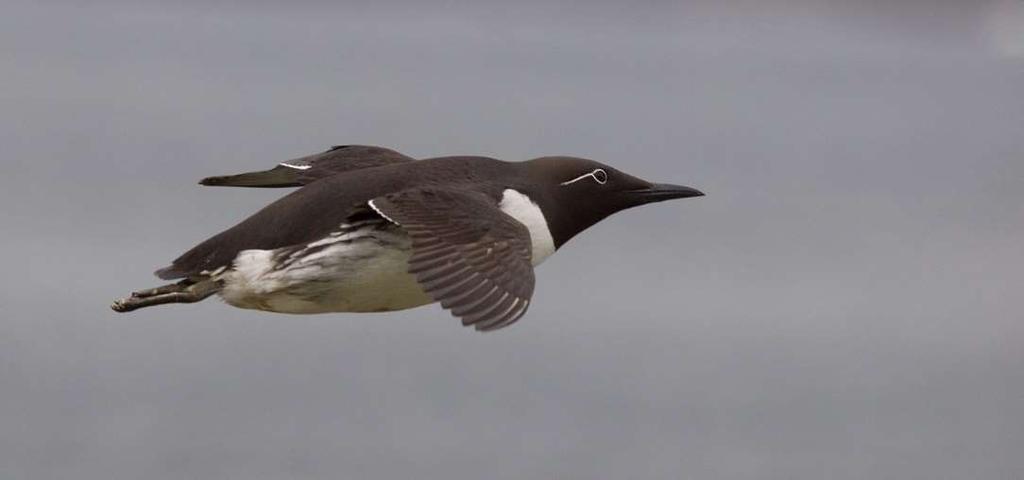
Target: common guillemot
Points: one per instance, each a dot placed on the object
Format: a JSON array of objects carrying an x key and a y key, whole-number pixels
[{"x": 387, "y": 233}]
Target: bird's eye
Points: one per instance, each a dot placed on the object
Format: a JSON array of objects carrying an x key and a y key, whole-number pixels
[{"x": 598, "y": 174}]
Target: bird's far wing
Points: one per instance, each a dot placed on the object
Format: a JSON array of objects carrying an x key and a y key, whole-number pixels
[
  {"x": 467, "y": 253},
  {"x": 304, "y": 170}
]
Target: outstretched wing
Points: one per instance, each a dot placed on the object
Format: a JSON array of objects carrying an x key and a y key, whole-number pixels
[
  {"x": 467, "y": 254},
  {"x": 304, "y": 170}
]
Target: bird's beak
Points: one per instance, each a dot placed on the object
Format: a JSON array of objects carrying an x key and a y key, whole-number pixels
[
  {"x": 279, "y": 176},
  {"x": 659, "y": 192}
]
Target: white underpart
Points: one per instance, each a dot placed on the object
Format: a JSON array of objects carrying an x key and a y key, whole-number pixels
[
  {"x": 521, "y": 208},
  {"x": 297, "y": 167},
  {"x": 358, "y": 271}
]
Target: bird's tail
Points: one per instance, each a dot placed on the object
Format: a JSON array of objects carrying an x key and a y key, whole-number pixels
[{"x": 185, "y": 291}]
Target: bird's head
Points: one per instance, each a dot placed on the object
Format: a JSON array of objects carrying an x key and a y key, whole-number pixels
[{"x": 576, "y": 193}]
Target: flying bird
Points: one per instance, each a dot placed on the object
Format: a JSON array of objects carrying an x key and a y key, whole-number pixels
[{"x": 372, "y": 230}]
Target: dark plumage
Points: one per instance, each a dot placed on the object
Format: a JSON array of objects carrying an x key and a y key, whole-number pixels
[
  {"x": 313, "y": 211},
  {"x": 372, "y": 229},
  {"x": 305, "y": 170}
]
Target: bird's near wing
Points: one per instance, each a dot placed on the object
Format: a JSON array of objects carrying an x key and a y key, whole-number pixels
[
  {"x": 466, "y": 253},
  {"x": 304, "y": 170}
]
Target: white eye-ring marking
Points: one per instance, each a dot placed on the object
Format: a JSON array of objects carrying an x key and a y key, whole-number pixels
[
  {"x": 297, "y": 167},
  {"x": 599, "y": 176}
]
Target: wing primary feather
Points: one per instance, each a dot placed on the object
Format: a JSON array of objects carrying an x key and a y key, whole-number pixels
[
  {"x": 428, "y": 276},
  {"x": 469, "y": 297},
  {"x": 491, "y": 314},
  {"x": 447, "y": 282},
  {"x": 483, "y": 305},
  {"x": 426, "y": 253},
  {"x": 512, "y": 317},
  {"x": 462, "y": 292},
  {"x": 499, "y": 318},
  {"x": 438, "y": 262}
]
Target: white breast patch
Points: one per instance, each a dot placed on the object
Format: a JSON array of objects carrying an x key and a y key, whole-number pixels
[{"x": 521, "y": 208}]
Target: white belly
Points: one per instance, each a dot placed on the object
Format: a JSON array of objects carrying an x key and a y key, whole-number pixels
[
  {"x": 359, "y": 269},
  {"x": 366, "y": 272}
]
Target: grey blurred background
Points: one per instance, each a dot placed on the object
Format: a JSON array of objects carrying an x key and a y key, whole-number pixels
[{"x": 845, "y": 303}]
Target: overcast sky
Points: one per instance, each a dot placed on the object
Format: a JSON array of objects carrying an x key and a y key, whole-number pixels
[{"x": 846, "y": 303}]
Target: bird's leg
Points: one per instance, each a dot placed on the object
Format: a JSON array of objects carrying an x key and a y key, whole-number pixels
[
  {"x": 189, "y": 294},
  {"x": 169, "y": 288}
]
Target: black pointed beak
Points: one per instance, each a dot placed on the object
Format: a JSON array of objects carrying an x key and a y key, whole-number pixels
[
  {"x": 279, "y": 176},
  {"x": 658, "y": 192}
]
